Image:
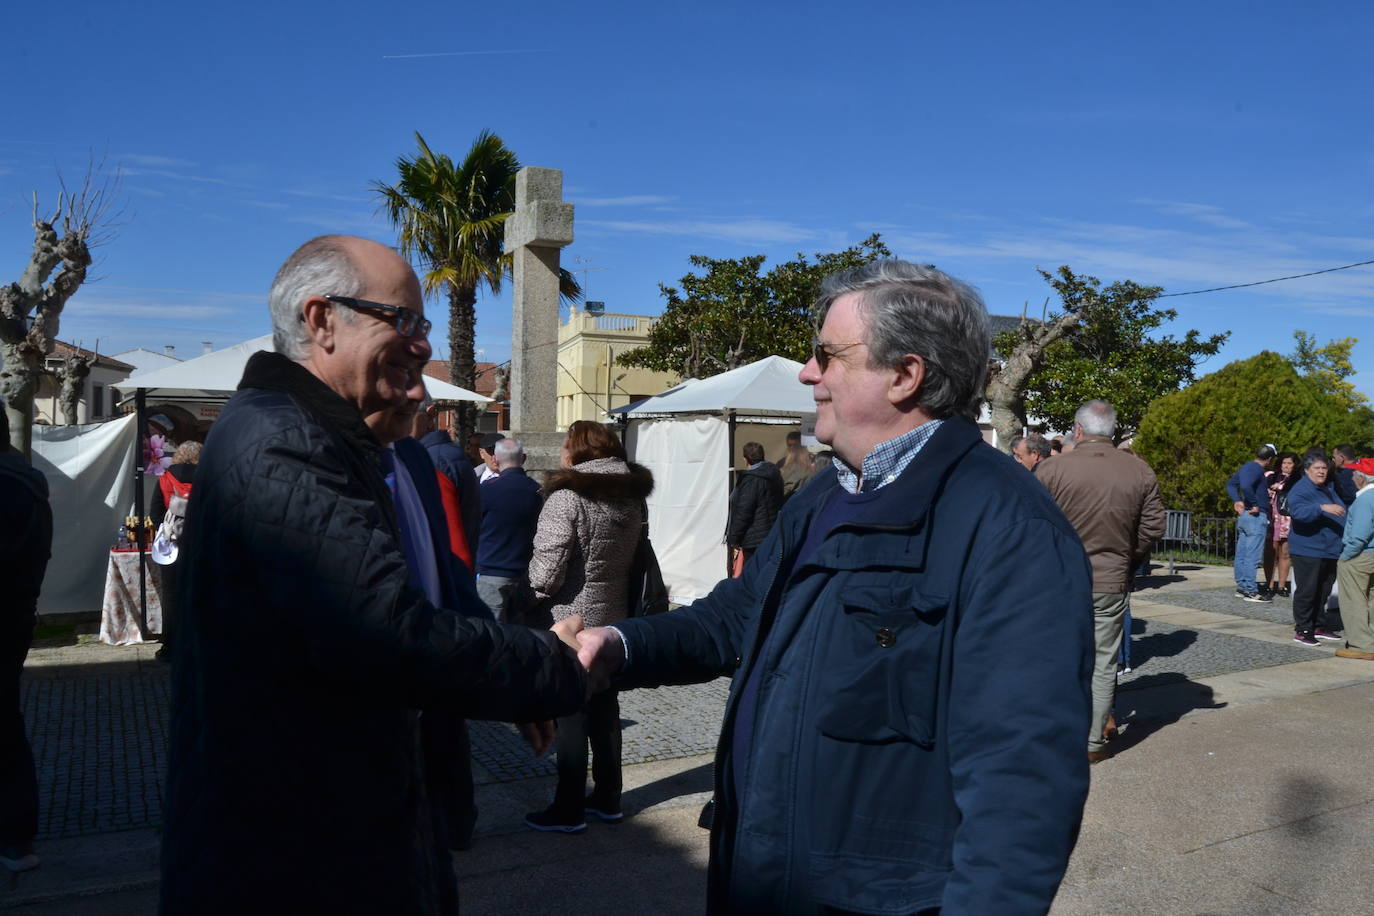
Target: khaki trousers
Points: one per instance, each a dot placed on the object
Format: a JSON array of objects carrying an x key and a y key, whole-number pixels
[
  {"x": 1355, "y": 577},
  {"x": 1109, "y": 614}
]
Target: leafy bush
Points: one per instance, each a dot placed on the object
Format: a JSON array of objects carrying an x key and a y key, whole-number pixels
[{"x": 1197, "y": 437}]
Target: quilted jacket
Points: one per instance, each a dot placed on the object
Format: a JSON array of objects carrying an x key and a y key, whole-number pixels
[
  {"x": 293, "y": 782},
  {"x": 586, "y": 539}
]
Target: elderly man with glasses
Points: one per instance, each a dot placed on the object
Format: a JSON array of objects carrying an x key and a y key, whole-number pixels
[
  {"x": 910, "y": 646},
  {"x": 309, "y": 644}
]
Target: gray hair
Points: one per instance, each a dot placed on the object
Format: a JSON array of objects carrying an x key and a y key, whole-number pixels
[
  {"x": 1035, "y": 443},
  {"x": 320, "y": 267},
  {"x": 1097, "y": 418},
  {"x": 1312, "y": 458},
  {"x": 914, "y": 308},
  {"x": 509, "y": 453}
]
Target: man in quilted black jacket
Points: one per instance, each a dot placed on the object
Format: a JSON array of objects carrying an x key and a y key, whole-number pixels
[{"x": 306, "y": 649}]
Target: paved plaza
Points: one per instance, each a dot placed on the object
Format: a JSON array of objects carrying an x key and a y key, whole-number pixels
[{"x": 1223, "y": 764}]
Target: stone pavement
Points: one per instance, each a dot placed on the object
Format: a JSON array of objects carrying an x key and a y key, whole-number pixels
[{"x": 1237, "y": 787}]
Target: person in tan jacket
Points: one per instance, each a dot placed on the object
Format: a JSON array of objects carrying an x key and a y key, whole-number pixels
[
  {"x": 584, "y": 545},
  {"x": 1112, "y": 500}
]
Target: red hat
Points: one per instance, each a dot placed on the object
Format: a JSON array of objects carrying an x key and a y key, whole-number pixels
[{"x": 1365, "y": 466}]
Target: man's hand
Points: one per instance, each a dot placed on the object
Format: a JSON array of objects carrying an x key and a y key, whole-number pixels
[
  {"x": 1238, "y": 506},
  {"x": 602, "y": 653},
  {"x": 538, "y": 735},
  {"x": 567, "y": 630},
  {"x": 1254, "y": 510}
]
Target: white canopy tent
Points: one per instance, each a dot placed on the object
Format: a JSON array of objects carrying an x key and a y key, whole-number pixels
[
  {"x": 685, "y": 436},
  {"x": 215, "y": 376}
]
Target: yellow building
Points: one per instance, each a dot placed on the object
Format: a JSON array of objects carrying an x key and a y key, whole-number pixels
[{"x": 589, "y": 381}]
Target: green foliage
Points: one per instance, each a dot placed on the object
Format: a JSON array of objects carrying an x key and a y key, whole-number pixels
[
  {"x": 1196, "y": 438},
  {"x": 1328, "y": 366},
  {"x": 731, "y": 314},
  {"x": 1113, "y": 353}
]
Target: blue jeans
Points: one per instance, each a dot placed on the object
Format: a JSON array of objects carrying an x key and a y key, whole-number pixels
[{"x": 1250, "y": 534}]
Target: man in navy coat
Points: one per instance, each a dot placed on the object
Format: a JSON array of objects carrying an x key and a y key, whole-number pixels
[{"x": 910, "y": 647}]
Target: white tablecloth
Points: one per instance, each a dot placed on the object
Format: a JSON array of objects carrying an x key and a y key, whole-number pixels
[{"x": 119, "y": 608}]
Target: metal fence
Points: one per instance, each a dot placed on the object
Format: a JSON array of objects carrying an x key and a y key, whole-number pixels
[{"x": 1197, "y": 539}]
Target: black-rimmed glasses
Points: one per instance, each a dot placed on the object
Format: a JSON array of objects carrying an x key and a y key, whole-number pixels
[
  {"x": 823, "y": 352},
  {"x": 407, "y": 322}
]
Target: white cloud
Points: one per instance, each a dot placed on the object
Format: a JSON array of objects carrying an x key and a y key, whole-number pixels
[
  {"x": 157, "y": 162},
  {"x": 751, "y": 231},
  {"x": 633, "y": 200}
]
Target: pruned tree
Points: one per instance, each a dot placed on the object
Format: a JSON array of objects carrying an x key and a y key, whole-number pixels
[
  {"x": 71, "y": 378},
  {"x": 1102, "y": 342},
  {"x": 1006, "y": 388},
  {"x": 31, "y": 307}
]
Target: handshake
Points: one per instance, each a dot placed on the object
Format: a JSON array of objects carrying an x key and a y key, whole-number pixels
[{"x": 600, "y": 652}]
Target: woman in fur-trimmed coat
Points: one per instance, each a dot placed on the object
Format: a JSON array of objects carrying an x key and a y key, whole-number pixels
[{"x": 583, "y": 548}]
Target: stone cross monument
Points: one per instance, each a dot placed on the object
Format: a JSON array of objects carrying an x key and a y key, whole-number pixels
[{"x": 541, "y": 225}]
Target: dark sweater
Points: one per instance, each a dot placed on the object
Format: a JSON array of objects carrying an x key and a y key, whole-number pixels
[{"x": 510, "y": 511}]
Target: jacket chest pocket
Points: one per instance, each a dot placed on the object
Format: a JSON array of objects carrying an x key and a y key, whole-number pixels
[{"x": 882, "y": 667}]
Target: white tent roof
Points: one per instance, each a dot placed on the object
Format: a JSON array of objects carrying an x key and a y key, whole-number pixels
[
  {"x": 767, "y": 388},
  {"x": 217, "y": 374}
]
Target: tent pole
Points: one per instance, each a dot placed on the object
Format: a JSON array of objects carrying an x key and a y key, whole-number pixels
[
  {"x": 140, "y": 405},
  {"x": 730, "y": 482}
]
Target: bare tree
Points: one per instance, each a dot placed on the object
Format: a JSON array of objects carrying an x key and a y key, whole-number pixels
[
  {"x": 71, "y": 378},
  {"x": 1006, "y": 386},
  {"x": 31, "y": 308}
]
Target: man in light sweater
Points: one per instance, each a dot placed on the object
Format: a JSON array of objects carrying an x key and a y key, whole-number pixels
[{"x": 1355, "y": 571}]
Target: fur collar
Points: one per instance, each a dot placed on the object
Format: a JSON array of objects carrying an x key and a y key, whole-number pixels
[{"x": 604, "y": 478}]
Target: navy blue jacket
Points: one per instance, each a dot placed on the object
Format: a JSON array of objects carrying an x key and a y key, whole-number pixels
[
  {"x": 510, "y": 513},
  {"x": 450, "y": 460},
  {"x": 920, "y": 731},
  {"x": 456, "y": 585},
  {"x": 303, "y": 749},
  {"x": 1314, "y": 533},
  {"x": 1248, "y": 485}
]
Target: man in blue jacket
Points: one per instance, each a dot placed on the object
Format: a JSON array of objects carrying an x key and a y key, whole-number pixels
[
  {"x": 1249, "y": 494},
  {"x": 510, "y": 513},
  {"x": 911, "y": 646}
]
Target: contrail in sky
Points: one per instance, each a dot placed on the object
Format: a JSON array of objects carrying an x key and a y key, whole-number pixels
[{"x": 455, "y": 54}]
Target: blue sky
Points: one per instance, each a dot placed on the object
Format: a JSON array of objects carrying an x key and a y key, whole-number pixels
[{"x": 1180, "y": 144}]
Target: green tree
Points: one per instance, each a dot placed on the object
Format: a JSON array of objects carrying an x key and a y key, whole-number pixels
[
  {"x": 1112, "y": 351},
  {"x": 1197, "y": 437},
  {"x": 451, "y": 219},
  {"x": 731, "y": 314},
  {"x": 1328, "y": 366}
]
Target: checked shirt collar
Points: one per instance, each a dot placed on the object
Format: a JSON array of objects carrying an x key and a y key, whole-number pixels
[{"x": 887, "y": 460}]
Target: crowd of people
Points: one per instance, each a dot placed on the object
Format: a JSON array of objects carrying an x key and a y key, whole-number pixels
[
  {"x": 866, "y": 761},
  {"x": 1306, "y": 519}
]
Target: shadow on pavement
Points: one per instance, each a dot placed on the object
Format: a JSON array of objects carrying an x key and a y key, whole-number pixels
[
  {"x": 1155, "y": 701},
  {"x": 690, "y": 782},
  {"x": 1158, "y": 645}
]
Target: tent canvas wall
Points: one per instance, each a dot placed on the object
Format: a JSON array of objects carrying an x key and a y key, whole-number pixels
[{"x": 684, "y": 436}]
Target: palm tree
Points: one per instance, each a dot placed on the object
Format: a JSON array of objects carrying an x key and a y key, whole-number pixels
[{"x": 451, "y": 220}]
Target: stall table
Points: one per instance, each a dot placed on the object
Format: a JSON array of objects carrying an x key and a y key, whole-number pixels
[{"x": 119, "y": 608}]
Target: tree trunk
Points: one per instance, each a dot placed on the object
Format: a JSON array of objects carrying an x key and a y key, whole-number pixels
[
  {"x": 71, "y": 377},
  {"x": 462, "y": 361},
  {"x": 18, "y": 384},
  {"x": 1006, "y": 387}
]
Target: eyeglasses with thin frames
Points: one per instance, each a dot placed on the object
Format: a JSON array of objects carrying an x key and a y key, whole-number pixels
[
  {"x": 407, "y": 322},
  {"x": 823, "y": 352}
]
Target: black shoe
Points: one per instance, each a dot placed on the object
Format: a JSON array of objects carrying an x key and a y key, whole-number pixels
[
  {"x": 551, "y": 819},
  {"x": 605, "y": 811},
  {"x": 1266, "y": 592},
  {"x": 1286, "y": 592}
]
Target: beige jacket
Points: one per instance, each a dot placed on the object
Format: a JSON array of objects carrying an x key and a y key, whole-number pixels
[
  {"x": 1112, "y": 500},
  {"x": 586, "y": 540}
]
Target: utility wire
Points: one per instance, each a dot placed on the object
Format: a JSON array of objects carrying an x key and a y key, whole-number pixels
[{"x": 1314, "y": 273}]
